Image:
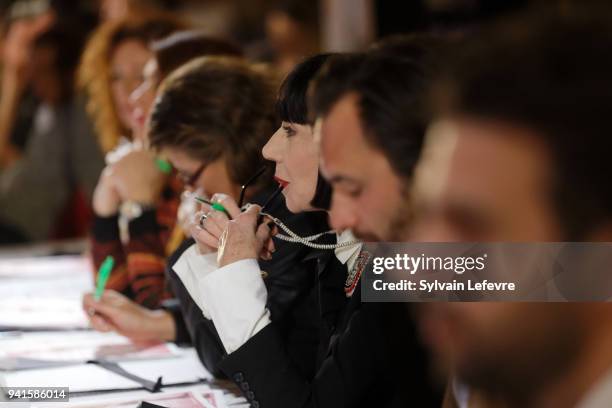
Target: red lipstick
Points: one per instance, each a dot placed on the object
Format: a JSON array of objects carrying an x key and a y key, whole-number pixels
[{"x": 281, "y": 182}]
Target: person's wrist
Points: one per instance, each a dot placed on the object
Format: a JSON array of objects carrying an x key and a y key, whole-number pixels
[
  {"x": 143, "y": 200},
  {"x": 106, "y": 207},
  {"x": 106, "y": 201},
  {"x": 204, "y": 249},
  {"x": 225, "y": 260},
  {"x": 106, "y": 210},
  {"x": 161, "y": 325},
  {"x": 146, "y": 197}
]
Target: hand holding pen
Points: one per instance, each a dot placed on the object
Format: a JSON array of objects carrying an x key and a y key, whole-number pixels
[{"x": 210, "y": 223}]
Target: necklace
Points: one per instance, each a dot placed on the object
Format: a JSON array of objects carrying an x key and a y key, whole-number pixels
[{"x": 307, "y": 241}]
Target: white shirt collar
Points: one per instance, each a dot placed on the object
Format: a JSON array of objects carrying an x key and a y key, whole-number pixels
[{"x": 347, "y": 255}]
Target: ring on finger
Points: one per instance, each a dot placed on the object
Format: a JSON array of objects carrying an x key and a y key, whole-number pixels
[{"x": 203, "y": 218}]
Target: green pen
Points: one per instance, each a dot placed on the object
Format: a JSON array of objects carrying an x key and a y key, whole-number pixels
[
  {"x": 215, "y": 206},
  {"x": 163, "y": 165},
  {"x": 103, "y": 274}
]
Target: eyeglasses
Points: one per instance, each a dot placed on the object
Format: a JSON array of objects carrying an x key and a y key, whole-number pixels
[
  {"x": 191, "y": 180},
  {"x": 248, "y": 183}
]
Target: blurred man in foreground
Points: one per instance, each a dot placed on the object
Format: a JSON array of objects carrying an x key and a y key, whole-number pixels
[{"x": 519, "y": 151}]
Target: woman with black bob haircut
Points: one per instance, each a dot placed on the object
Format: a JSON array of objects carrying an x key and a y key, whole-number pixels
[{"x": 292, "y": 108}]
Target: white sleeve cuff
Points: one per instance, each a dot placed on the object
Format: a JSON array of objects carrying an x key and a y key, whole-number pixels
[
  {"x": 191, "y": 267},
  {"x": 235, "y": 296}
]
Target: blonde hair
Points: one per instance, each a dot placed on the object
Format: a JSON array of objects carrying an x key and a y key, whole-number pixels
[{"x": 94, "y": 74}]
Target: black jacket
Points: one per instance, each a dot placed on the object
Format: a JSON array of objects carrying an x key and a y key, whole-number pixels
[
  {"x": 369, "y": 355},
  {"x": 292, "y": 299}
]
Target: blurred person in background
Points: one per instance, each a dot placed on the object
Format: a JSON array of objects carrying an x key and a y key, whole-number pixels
[
  {"x": 22, "y": 22},
  {"x": 519, "y": 151},
  {"x": 136, "y": 199},
  {"x": 16, "y": 99},
  {"x": 3, "y": 29},
  {"x": 58, "y": 159},
  {"x": 292, "y": 33},
  {"x": 167, "y": 54},
  {"x": 119, "y": 9}
]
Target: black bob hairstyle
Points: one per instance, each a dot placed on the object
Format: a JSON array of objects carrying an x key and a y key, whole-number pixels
[{"x": 292, "y": 103}]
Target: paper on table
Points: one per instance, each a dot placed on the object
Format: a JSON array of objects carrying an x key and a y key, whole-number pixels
[
  {"x": 79, "y": 378},
  {"x": 85, "y": 401},
  {"x": 36, "y": 350},
  {"x": 42, "y": 313},
  {"x": 89, "y": 377},
  {"x": 184, "y": 369},
  {"x": 44, "y": 293},
  {"x": 50, "y": 266},
  {"x": 46, "y": 248},
  {"x": 186, "y": 399}
]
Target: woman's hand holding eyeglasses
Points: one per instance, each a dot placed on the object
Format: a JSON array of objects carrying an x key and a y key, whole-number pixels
[
  {"x": 209, "y": 224},
  {"x": 243, "y": 238}
]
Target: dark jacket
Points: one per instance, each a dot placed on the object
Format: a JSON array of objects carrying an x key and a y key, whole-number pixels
[
  {"x": 292, "y": 299},
  {"x": 369, "y": 355}
]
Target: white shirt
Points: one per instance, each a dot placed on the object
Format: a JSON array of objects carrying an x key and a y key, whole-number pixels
[{"x": 234, "y": 296}]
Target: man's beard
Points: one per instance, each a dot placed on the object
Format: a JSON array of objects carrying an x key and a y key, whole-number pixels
[
  {"x": 396, "y": 227},
  {"x": 523, "y": 378},
  {"x": 399, "y": 225}
]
